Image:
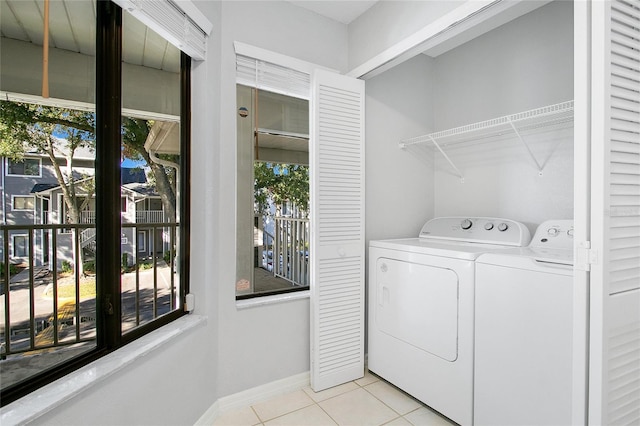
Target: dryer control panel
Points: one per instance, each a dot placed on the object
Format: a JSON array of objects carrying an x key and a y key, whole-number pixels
[{"x": 486, "y": 230}]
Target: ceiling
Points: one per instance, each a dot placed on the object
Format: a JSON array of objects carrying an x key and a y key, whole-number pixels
[
  {"x": 23, "y": 20},
  {"x": 341, "y": 11},
  {"x": 68, "y": 30}
]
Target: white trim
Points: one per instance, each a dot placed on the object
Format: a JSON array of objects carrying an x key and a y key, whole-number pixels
[
  {"x": 405, "y": 48},
  {"x": 581, "y": 211},
  {"x": 599, "y": 289},
  {"x": 447, "y": 32},
  {"x": 271, "y": 300},
  {"x": 13, "y": 245},
  {"x": 252, "y": 396},
  {"x": 14, "y": 209},
  {"x": 25, "y": 158},
  {"x": 143, "y": 247},
  {"x": 45, "y": 399}
]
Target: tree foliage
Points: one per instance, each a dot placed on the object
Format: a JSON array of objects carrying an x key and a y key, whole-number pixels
[
  {"x": 27, "y": 128},
  {"x": 280, "y": 183}
]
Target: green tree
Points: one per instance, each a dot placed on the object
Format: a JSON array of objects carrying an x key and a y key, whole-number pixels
[
  {"x": 26, "y": 126},
  {"x": 280, "y": 183},
  {"x": 135, "y": 132}
]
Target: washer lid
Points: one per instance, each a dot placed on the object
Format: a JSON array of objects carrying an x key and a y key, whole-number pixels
[{"x": 533, "y": 259}]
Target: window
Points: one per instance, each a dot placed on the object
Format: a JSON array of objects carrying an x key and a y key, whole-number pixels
[
  {"x": 273, "y": 234},
  {"x": 119, "y": 298},
  {"x": 24, "y": 167},
  {"x": 20, "y": 245},
  {"x": 142, "y": 241},
  {"x": 21, "y": 202}
]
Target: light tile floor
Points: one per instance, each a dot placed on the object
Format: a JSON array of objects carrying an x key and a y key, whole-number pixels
[{"x": 367, "y": 401}]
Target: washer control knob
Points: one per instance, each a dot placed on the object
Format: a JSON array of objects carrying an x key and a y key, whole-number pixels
[
  {"x": 466, "y": 224},
  {"x": 552, "y": 232},
  {"x": 488, "y": 226},
  {"x": 503, "y": 227},
  {"x": 570, "y": 232}
]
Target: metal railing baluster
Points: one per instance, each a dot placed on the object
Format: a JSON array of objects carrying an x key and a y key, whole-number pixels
[
  {"x": 155, "y": 272},
  {"x": 7, "y": 293},
  {"x": 54, "y": 260},
  {"x": 32, "y": 296}
]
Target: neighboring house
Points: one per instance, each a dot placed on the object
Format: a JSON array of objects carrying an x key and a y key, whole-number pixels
[
  {"x": 31, "y": 195},
  {"x": 19, "y": 205}
]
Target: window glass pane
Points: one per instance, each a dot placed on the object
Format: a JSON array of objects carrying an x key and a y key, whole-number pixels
[
  {"x": 150, "y": 170},
  {"x": 23, "y": 203},
  {"x": 47, "y": 316},
  {"x": 273, "y": 193},
  {"x": 24, "y": 167}
]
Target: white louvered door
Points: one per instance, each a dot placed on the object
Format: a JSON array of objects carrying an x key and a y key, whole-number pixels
[
  {"x": 614, "y": 372},
  {"x": 337, "y": 233}
]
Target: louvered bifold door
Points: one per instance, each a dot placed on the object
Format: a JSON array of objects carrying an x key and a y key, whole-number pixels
[
  {"x": 337, "y": 233},
  {"x": 615, "y": 281}
]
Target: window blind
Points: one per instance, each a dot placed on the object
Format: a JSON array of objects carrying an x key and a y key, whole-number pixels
[
  {"x": 171, "y": 22},
  {"x": 271, "y": 77}
]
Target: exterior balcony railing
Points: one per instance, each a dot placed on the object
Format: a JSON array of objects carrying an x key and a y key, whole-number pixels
[
  {"x": 52, "y": 304},
  {"x": 291, "y": 250},
  {"x": 141, "y": 216}
]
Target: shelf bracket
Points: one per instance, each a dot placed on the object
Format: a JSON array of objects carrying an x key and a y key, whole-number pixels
[
  {"x": 459, "y": 174},
  {"x": 533, "y": 157}
]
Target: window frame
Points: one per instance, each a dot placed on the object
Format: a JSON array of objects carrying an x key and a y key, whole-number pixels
[
  {"x": 13, "y": 245},
  {"x": 10, "y": 162},
  {"x": 142, "y": 247},
  {"x": 13, "y": 203},
  {"x": 109, "y": 336}
]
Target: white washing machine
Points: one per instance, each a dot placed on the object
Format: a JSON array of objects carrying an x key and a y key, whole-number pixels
[
  {"x": 523, "y": 331},
  {"x": 421, "y": 301}
]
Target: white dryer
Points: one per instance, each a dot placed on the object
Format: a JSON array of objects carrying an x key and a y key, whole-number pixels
[
  {"x": 421, "y": 302},
  {"x": 523, "y": 334}
]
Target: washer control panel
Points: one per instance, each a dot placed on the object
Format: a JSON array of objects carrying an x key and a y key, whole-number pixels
[
  {"x": 557, "y": 234},
  {"x": 487, "y": 230}
]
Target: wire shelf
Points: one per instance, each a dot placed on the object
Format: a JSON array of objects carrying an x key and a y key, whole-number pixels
[{"x": 512, "y": 125}]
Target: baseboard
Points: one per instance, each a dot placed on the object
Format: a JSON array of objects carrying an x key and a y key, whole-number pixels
[{"x": 253, "y": 396}]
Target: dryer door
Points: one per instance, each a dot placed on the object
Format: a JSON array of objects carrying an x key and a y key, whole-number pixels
[{"x": 418, "y": 304}]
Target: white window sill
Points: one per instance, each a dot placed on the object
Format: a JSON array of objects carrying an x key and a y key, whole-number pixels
[
  {"x": 271, "y": 300},
  {"x": 47, "y": 398}
]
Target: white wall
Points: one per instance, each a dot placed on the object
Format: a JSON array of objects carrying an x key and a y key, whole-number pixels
[
  {"x": 525, "y": 64},
  {"x": 399, "y": 186},
  {"x": 262, "y": 344}
]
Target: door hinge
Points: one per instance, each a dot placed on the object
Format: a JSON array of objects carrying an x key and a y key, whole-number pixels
[{"x": 585, "y": 256}]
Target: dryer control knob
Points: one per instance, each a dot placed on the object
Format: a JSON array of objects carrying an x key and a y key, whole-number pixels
[
  {"x": 553, "y": 231},
  {"x": 503, "y": 227},
  {"x": 488, "y": 226},
  {"x": 466, "y": 224}
]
